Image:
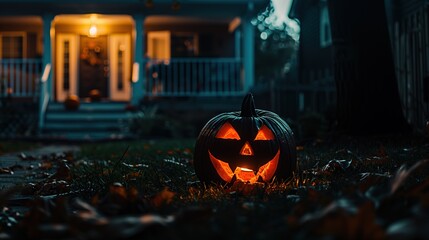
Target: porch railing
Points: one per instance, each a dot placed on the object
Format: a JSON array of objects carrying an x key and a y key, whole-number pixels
[
  {"x": 19, "y": 77},
  {"x": 177, "y": 77}
]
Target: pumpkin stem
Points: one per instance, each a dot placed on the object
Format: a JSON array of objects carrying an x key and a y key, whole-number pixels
[{"x": 248, "y": 106}]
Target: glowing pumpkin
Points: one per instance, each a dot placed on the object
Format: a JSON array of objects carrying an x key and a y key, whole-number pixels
[
  {"x": 94, "y": 95},
  {"x": 72, "y": 102},
  {"x": 250, "y": 145}
]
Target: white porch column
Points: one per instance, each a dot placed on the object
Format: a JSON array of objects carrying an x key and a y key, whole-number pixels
[
  {"x": 138, "y": 77},
  {"x": 47, "y": 51},
  {"x": 248, "y": 52}
]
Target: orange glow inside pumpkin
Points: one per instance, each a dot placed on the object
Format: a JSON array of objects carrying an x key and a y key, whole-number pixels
[
  {"x": 227, "y": 131},
  {"x": 244, "y": 174},
  {"x": 246, "y": 150},
  {"x": 266, "y": 171},
  {"x": 264, "y": 134}
]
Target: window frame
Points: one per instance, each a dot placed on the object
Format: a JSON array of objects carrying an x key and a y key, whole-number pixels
[{"x": 14, "y": 34}]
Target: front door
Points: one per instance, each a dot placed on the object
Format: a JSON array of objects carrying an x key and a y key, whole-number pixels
[
  {"x": 93, "y": 66},
  {"x": 86, "y": 63}
]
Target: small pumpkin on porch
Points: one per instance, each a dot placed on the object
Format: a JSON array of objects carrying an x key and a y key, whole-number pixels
[
  {"x": 250, "y": 145},
  {"x": 95, "y": 95},
  {"x": 72, "y": 102}
]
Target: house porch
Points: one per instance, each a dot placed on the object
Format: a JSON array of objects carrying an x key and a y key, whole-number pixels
[{"x": 51, "y": 33}]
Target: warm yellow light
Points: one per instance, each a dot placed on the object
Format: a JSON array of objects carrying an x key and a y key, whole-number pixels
[
  {"x": 93, "y": 30},
  {"x": 246, "y": 169},
  {"x": 227, "y": 131},
  {"x": 246, "y": 150},
  {"x": 245, "y": 175},
  {"x": 264, "y": 134},
  {"x": 266, "y": 171}
]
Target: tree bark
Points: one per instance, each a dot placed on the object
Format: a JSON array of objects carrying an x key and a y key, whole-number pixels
[{"x": 368, "y": 100}]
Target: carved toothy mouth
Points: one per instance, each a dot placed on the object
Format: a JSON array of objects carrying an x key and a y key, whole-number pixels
[{"x": 266, "y": 171}]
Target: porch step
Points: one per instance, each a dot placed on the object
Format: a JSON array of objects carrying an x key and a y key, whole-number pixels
[
  {"x": 87, "y": 106},
  {"x": 92, "y": 121}
]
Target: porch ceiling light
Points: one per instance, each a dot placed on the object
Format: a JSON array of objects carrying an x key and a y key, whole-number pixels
[{"x": 93, "y": 30}]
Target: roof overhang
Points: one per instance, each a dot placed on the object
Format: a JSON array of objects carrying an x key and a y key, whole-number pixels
[{"x": 196, "y": 8}]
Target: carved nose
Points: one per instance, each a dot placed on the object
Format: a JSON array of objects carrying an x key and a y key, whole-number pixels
[{"x": 246, "y": 150}]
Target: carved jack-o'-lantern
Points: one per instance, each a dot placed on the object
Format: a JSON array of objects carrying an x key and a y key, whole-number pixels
[
  {"x": 251, "y": 145},
  {"x": 94, "y": 95}
]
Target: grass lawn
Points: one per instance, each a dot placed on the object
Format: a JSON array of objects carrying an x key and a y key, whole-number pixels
[
  {"x": 146, "y": 165},
  {"x": 350, "y": 188},
  {"x": 8, "y": 146}
]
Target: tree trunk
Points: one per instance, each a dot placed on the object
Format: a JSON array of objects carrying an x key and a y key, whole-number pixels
[{"x": 367, "y": 93}]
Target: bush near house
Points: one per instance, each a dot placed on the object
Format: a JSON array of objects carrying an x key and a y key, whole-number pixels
[
  {"x": 18, "y": 118},
  {"x": 149, "y": 122}
]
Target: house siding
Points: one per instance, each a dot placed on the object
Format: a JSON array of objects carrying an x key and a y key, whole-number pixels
[
  {"x": 314, "y": 59},
  {"x": 406, "y": 7},
  {"x": 410, "y": 38},
  {"x": 32, "y": 48},
  {"x": 33, "y": 34},
  {"x": 214, "y": 40},
  {"x": 315, "y": 63},
  {"x": 409, "y": 29}
]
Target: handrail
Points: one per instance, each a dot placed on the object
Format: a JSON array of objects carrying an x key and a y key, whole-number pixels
[
  {"x": 135, "y": 74},
  {"x": 44, "y": 95},
  {"x": 46, "y": 72}
]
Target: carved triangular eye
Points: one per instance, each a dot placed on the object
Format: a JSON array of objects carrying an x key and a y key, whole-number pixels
[
  {"x": 264, "y": 133},
  {"x": 227, "y": 131}
]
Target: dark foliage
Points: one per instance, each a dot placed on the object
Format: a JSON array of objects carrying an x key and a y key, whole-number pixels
[{"x": 17, "y": 119}]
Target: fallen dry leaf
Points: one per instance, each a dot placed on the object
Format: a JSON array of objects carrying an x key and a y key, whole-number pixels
[
  {"x": 53, "y": 187},
  {"x": 130, "y": 226},
  {"x": 369, "y": 179},
  {"x": 45, "y": 165},
  {"x": 335, "y": 167},
  {"x": 22, "y": 156},
  {"x": 403, "y": 174},
  {"x": 63, "y": 172},
  {"x": 162, "y": 198},
  {"x": 409, "y": 228},
  {"x": 246, "y": 189},
  {"x": 16, "y": 167},
  {"x": 118, "y": 190},
  {"x": 194, "y": 214},
  {"x": 6, "y": 171},
  {"x": 344, "y": 221}
]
